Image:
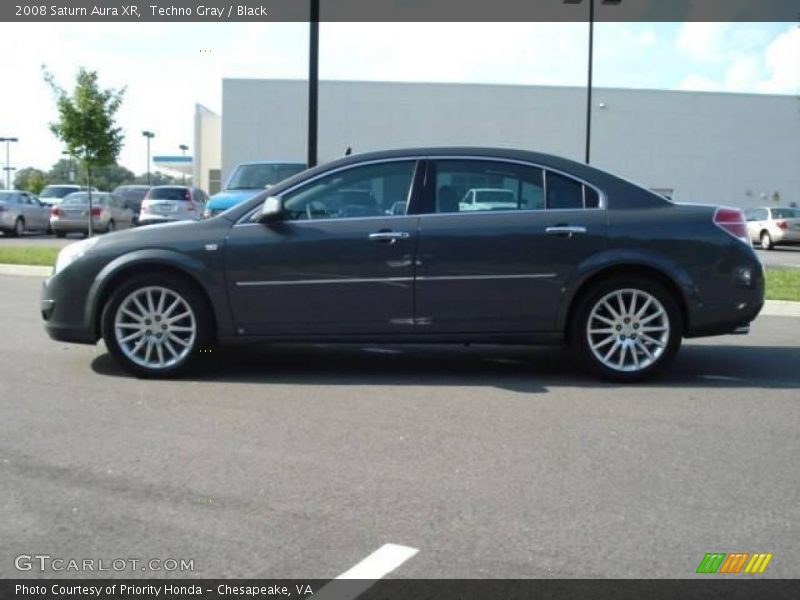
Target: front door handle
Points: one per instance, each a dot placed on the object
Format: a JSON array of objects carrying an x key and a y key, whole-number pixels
[
  {"x": 565, "y": 230},
  {"x": 389, "y": 236}
]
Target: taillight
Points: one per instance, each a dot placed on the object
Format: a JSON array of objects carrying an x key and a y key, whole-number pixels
[
  {"x": 732, "y": 221},
  {"x": 187, "y": 195},
  {"x": 55, "y": 211},
  {"x": 96, "y": 212},
  {"x": 782, "y": 224}
]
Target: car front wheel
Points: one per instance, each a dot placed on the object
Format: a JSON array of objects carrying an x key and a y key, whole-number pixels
[
  {"x": 628, "y": 329},
  {"x": 156, "y": 325}
]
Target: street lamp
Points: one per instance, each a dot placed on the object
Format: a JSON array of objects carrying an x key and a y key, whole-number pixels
[
  {"x": 589, "y": 69},
  {"x": 68, "y": 154},
  {"x": 8, "y": 167},
  {"x": 183, "y": 148},
  {"x": 313, "y": 82},
  {"x": 149, "y": 135}
]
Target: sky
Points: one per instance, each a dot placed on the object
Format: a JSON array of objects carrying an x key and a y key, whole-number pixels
[{"x": 168, "y": 67}]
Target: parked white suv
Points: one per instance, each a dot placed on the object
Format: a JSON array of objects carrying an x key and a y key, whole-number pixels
[{"x": 165, "y": 203}]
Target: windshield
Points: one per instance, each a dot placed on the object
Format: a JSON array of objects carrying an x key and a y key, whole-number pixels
[
  {"x": 257, "y": 177},
  {"x": 169, "y": 193},
  {"x": 786, "y": 213},
  {"x": 56, "y": 191}
]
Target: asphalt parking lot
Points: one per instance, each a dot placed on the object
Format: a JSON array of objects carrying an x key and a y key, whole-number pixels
[{"x": 490, "y": 462}]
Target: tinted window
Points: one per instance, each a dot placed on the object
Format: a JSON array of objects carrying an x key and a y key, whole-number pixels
[
  {"x": 169, "y": 193},
  {"x": 785, "y": 213},
  {"x": 592, "y": 198},
  {"x": 563, "y": 192},
  {"x": 373, "y": 190},
  {"x": 250, "y": 177},
  {"x": 474, "y": 185},
  {"x": 57, "y": 191}
]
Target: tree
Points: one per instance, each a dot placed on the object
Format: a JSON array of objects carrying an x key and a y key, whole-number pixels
[
  {"x": 157, "y": 178},
  {"x": 31, "y": 180},
  {"x": 86, "y": 123}
]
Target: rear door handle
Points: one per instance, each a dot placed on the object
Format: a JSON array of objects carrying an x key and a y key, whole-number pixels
[
  {"x": 389, "y": 236},
  {"x": 565, "y": 230}
]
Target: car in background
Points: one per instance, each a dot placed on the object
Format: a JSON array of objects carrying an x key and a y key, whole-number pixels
[
  {"x": 22, "y": 211},
  {"x": 53, "y": 194},
  {"x": 248, "y": 179},
  {"x": 772, "y": 227},
  {"x": 166, "y": 203},
  {"x": 133, "y": 195},
  {"x": 489, "y": 199},
  {"x": 109, "y": 213},
  {"x": 620, "y": 274}
]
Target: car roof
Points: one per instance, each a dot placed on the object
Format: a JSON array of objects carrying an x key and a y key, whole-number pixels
[{"x": 271, "y": 162}]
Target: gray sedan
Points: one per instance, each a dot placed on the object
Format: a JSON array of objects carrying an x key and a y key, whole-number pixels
[
  {"x": 21, "y": 212},
  {"x": 108, "y": 214},
  {"x": 580, "y": 257}
]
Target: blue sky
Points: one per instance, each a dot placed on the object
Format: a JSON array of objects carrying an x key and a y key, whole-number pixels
[{"x": 168, "y": 67}]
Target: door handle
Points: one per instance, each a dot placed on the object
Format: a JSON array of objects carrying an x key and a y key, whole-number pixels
[
  {"x": 389, "y": 236},
  {"x": 565, "y": 230}
]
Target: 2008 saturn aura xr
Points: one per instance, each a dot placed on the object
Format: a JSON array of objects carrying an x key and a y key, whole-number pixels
[{"x": 425, "y": 245}]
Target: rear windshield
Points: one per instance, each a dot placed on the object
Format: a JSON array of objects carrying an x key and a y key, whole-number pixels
[
  {"x": 786, "y": 213},
  {"x": 56, "y": 191},
  {"x": 131, "y": 193},
  {"x": 257, "y": 177},
  {"x": 169, "y": 193},
  {"x": 83, "y": 198}
]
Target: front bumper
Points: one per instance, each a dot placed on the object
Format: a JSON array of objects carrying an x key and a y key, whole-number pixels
[{"x": 65, "y": 319}]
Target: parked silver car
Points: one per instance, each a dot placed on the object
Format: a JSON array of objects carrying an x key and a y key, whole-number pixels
[
  {"x": 108, "y": 213},
  {"x": 166, "y": 203},
  {"x": 22, "y": 211},
  {"x": 771, "y": 227}
]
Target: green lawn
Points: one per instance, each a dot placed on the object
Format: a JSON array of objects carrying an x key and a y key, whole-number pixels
[
  {"x": 29, "y": 255},
  {"x": 782, "y": 284}
]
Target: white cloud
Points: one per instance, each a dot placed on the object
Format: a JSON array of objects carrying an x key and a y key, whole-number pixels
[{"x": 782, "y": 58}]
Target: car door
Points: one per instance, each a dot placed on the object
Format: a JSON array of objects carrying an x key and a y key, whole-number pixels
[
  {"x": 499, "y": 269},
  {"x": 339, "y": 262}
]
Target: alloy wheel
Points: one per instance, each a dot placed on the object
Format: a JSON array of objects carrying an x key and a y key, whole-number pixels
[
  {"x": 628, "y": 330},
  {"x": 155, "y": 327}
]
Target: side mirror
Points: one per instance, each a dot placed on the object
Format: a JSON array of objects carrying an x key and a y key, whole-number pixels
[{"x": 271, "y": 211}]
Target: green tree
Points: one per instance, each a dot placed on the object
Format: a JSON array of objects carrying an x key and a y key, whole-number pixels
[
  {"x": 86, "y": 123},
  {"x": 30, "y": 179}
]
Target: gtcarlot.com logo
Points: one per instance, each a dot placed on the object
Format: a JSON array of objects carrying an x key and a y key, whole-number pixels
[
  {"x": 46, "y": 562},
  {"x": 732, "y": 564}
]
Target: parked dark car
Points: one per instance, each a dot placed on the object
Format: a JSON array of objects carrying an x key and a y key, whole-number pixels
[
  {"x": 618, "y": 272},
  {"x": 132, "y": 195}
]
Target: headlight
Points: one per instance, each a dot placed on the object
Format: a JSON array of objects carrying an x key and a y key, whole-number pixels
[{"x": 73, "y": 252}]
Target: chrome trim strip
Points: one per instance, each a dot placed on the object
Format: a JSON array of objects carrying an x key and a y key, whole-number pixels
[
  {"x": 397, "y": 279},
  {"x": 488, "y": 277},
  {"x": 323, "y": 281},
  {"x": 562, "y": 229}
]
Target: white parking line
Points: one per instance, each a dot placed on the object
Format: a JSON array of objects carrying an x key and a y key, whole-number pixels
[{"x": 374, "y": 567}]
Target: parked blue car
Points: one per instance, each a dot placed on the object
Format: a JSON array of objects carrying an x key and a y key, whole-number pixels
[{"x": 247, "y": 180}]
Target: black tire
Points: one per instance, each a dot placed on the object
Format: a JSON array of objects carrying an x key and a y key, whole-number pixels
[
  {"x": 111, "y": 227},
  {"x": 19, "y": 228},
  {"x": 61, "y": 234},
  {"x": 195, "y": 299},
  {"x": 766, "y": 241},
  {"x": 581, "y": 340}
]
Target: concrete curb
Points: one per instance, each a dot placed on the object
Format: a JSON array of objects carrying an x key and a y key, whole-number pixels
[
  {"x": 25, "y": 270},
  {"x": 772, "y": 308}
]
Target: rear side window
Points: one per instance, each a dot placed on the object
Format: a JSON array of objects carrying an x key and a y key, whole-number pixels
[
  {"x": 169, "y": 193},
  {"x": 563, "y": 193}
]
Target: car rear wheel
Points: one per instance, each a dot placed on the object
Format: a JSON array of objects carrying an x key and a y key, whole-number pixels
[
  {"x": 628, "y": 329},
  {"x": 111, "y": 227},
  {"x": 766, "y": 241},
  {"x": 156, "y": 325},
  {"x": 19, "y": 228}
]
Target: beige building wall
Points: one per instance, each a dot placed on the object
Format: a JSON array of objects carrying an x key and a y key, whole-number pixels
[{"x": 207, "y": 149}]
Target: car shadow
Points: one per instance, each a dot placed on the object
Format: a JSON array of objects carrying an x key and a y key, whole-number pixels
[{"x": 515, "y": 368}]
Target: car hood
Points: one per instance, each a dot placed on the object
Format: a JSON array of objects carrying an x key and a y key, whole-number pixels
[{"x": 224, "y": 200}]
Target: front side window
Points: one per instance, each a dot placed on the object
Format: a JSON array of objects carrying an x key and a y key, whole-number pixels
[
  {"x": 380, "y": 189},
  {"x": 476, "y": 186}
]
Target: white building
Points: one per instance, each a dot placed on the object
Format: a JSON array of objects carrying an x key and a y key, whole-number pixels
[{"x": 739, "y": 149}]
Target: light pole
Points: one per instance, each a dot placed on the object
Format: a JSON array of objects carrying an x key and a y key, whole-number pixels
[
  {"x": 313, "y": 82},
  {"x": 71, "y": 164},
  {"x": 589, "y": 70},
  {"x": 8, "y": 168},
  {"x": 149, "y": 135},
  {"x": 183, "y": 148}
]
